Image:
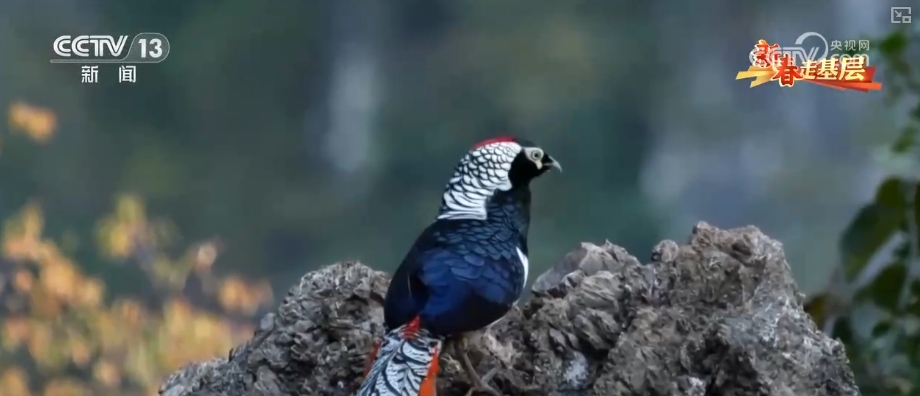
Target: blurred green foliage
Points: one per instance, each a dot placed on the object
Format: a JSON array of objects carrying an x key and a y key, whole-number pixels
[
  {"x": 229, "y": 136},
  {"x": 873, "y": 304}
]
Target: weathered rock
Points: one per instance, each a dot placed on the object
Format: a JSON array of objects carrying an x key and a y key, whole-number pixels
[{"x": 719, "y": 316}]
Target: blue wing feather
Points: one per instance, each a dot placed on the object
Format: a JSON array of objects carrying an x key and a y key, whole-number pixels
[{"x": 454, "y": 280}]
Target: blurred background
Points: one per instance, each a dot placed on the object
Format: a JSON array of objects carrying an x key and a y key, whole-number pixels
[{"x": 151, "y": 224}]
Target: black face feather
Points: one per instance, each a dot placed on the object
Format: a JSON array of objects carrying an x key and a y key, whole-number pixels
[{"x": 525, "y": 168}]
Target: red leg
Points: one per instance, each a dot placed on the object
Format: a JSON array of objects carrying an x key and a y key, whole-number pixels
[{"x": 429, "y": 385}]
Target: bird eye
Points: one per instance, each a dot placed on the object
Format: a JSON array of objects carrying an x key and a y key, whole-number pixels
[{"x": 536, "y": 154}]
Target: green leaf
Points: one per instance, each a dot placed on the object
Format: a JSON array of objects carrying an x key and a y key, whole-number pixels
[
  {"x": 872, "y": 227},
  {"x": 843, "y": 331},
  {"x": 907, "y": 140},
  {"x": 885, "y": 289},
  {"x": 881, "y": 328},
  {"x": 915, "y": 114},
  {"x": 916, "y": 205},
  {"x": 893, "y": 45},
  {"x": 913, "y": 306}
]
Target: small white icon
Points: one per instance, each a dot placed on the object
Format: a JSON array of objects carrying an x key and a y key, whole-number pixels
[
  {"x": 90, "y": 74},
  {"x": 127, "y": 74},
  {"x": 900, "y": 14}
]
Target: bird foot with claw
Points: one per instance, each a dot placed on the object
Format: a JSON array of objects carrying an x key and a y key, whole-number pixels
[{"x": 481, "y": 385}]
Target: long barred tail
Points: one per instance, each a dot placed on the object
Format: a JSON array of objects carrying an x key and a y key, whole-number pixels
[{"x": 405, "y": 364}]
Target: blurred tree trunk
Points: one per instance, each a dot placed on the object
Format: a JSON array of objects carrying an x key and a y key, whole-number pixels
[{"x": 353, "y": 94}]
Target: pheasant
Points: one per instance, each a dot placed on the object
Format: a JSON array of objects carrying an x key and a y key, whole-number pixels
[{"x": 464, "y": 272}]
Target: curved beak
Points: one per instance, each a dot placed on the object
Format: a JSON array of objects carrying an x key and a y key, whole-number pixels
[{"x": 552, "y": 163}]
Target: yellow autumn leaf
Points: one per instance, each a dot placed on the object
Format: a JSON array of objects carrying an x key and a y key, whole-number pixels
[
  {"x": 236, "y": 294},
  {"x": 129, "y": 312},
  {"x": 13, "y": 381},
  {"x": 60, "y": 279},
  {"x": 22, "y": 234},
  {"x": 39, "y": 343},
  {"x": 232, "y": 291},
  {"x": 36, "y": 122},
  {"x": 45, "y": 305},
  {"x": 66, "y": 387},
  {"x": 109, "y": 332},
  {"x": 22, "y": 281},
  {"x": 127, "y": 345},
  {"x": 120, "y": 231},
  {"x": 90, "y": 293},
  {"x": 106, "y": 373},
  {"x": 177, "y": 314},
  {"x": 80, "y": 353},
  {"x": 15, "y": 332}
]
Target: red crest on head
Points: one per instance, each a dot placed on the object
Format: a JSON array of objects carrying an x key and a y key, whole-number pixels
[{"x": 494, "y": 140}]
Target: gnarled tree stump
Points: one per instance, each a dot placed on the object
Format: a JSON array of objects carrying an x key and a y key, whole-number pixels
[{"x": 718, "y": 316}]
